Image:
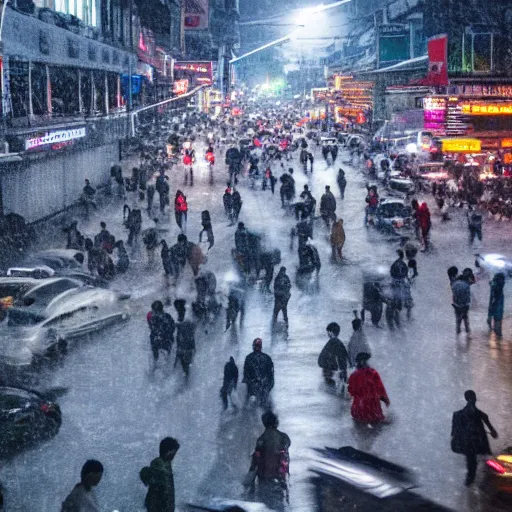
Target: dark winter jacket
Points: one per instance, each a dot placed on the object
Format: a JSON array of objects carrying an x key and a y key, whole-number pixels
[
  {"x": 160, "y": 480},
  {"x": 270, "y": 458},
  {"x": 230, "y": 375},
  {"x": 161, "y": 326},
  {"x": 334, "y": 356},
  {"x": 185, "y": 336},
  {"x": 468, "y": 432},
  {"x": 282, "y": 286},
  {"x": 461, "y": 293},
  {"x": 328, "y": 203},
  {"x": 258, "y": 367},
  {"x": 399, "y": 269},
  {"x": 242, "y": 240}
]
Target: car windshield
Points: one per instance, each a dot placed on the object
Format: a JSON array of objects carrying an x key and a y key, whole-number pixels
[
  {"x": 44, "y": 293},
  {"x": 390, "y": 210}
]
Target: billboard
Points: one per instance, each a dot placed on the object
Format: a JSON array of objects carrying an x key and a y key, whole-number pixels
[
  {"x": 394, "y": 44},
  {"x": 196, "y": 15},
  {"x": 196, "y": 72}
]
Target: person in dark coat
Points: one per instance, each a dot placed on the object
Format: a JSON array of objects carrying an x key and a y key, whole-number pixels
[
  {"x": 468, "y": 434},
  {"x": 206, "y": 223},
  {"x": 123, "y": 261},
  {"x": 159, "y": 479},
  {"x": 334, "y": 356},
  {"x": 185, "y": 338},
  {"x": 399, "y": 269},
  {"x": 237, "y": 204},
  {"x": 271, "y": 461},
  {"x": 461, "y": 301},
  {"x": 236, "y": 304},
  {"x": 328, "y": 207},
  {"x": 259, "y": 374},
  {"x": 496, "y": 303},
  {"x": 242, "y": 244},
  {"x": 282, "y": 287},
  {"x": 161, "y": 330},
  {"x": 229, "y": 383},
  {"x": 227, "y": 201}
]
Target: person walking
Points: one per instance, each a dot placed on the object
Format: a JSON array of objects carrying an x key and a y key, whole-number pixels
[
  {"x": 82, "y": 498},
  {"x": 474, "y": 224},
  {"x": 150, "y": 240},
  {"x": 180, "y": 210},
  {"x": 367, "y": 390},
  {"x": 229, "y": 383},
  {"x": 227, "y": 200},
  {"x": 123, "y": 261},
  {"x": 337, "y": 239},
  {"x": 496, "y": 304},
  {"x": 185, "y": 338},
  {"x": 161, "y": 330},
  {"x": 259, "y": 374},
  {"x": 357, "y": 343},
  {"x": 468, "y": 435},
  {"x": 342, "y": 182},
  {"x": 333, "y": 357},
  {"x": 206, "y": 223},
  {"x": 159, "y": 478},
  {"x": 328, "y": 207},
  {"x": 461, "y": 300},
  {"x": 425, "y": 224},
  {"x": 282, "y": 287},
  {"x": 271, "y": 463},
  {"x": 236, "y": 204}
]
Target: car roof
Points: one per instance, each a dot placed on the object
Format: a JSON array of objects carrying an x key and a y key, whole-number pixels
[
  {"x": 46, "y": 283},
  {"x": 392, "y": 200},
  {"x": 19, "y": 280}
]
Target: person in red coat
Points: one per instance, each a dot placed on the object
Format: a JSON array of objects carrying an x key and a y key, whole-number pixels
[
  {"x": 367, "y": 389},
  {"x": 423, "y": 217}
]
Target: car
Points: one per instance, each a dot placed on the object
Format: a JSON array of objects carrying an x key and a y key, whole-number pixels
[
  {"x": 401, "y": 187},
  {"x": 44, "y": 272},
  {"x": 498, "y": 474},
  {"x": 25, "y": 417},
  {"x": 57, "y": 259},
  {"x": 225, "y": 505},
  {"x": 16, "y": 288},
  {"x": 44, "y": 330},
  {"x": 394, "y": 216},
  {"x": 349, "y": 479},
  {"x": 494, "y": 263}
]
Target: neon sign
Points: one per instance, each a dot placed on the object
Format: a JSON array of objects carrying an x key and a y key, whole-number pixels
[
  {"x": 55, "y": 137},
  {"x": 485, "y": 109}
]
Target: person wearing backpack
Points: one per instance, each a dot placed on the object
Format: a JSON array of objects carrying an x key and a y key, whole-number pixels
[
  {"x": 159, "y": 478},
  {"x": 271, "y": 463},
  {"x": 206, "y": 222}
]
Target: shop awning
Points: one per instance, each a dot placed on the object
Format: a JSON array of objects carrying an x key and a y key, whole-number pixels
[{"x": 406, "y": 65}]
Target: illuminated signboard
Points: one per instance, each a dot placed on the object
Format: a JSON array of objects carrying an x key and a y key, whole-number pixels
[
  {"x": 197, "y": 73},
  {"x": 180, "y": 87},
  {"x": 461, "y": 146},
  {"x": 506, "y": 143},
  {"x": 487, "y": 109},
  {"x": 55, "y": 137}
]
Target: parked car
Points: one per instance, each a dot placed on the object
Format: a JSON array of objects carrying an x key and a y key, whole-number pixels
[
  {"x": 349, "y": 479},
  {"x": 394, "y": 216},
  {"x": 26, "y": 417},
  {"x": 401, "y": 187},
  {"x": 498, "y": 475},
  {"x": 224, "y": 505},
  {"x": 44, "y": 272},
  {"x": 16, "y": 287},
  {"x": 57, "y": 259},
  {"x": 44, "y": 329}
]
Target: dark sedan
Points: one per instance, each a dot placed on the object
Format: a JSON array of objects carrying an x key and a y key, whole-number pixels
[{"x": 26, "y": 417}]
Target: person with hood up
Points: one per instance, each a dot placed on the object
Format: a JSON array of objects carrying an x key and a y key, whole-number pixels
[
  {"x": 259, "y": 374},
  {"x": 159, "y": 478},
  {"x": 333, "y": 357},
  {"x": 180, "y": 210},
  {"x": 337, "y": 239},
  {"x": 282, "y": 287},
  {"x": 496, "y": 303},
  {"x": 357, "y": 343},
  {"x": 468, "y": 434},
  {"x": 82, "y": 498},
  {"x": 328, "y": 207},
  {"x": 367, "y": 390}
]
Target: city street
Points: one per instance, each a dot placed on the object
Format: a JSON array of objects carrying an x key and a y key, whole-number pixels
[{"x": 117, "y": 412}]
